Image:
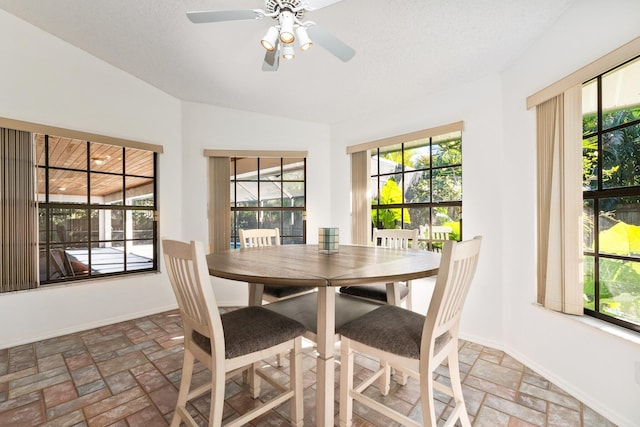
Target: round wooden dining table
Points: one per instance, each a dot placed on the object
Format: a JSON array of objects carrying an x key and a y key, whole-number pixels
[{"x": 305, "y": 265}]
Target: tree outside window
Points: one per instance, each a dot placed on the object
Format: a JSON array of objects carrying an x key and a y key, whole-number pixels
[
  {"x": 418, "y": 184},
  {"x": 611, "y": 188}
]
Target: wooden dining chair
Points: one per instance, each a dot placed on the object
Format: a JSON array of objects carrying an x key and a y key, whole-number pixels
[
  {"x": 389, "y": 238},
  {"x": 251, "y": 238},
  {"x": 397, "y": 239},
  {"x": 418, "y": 344},
  {"x": 230, "y": 343}
]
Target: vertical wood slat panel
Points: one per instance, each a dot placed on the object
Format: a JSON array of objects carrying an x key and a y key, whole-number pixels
[
  {"x": 219, "y": 203},
  {"x": 360, "y": 198},
  {"x": 18, "y": 212},
  {"x": 546, "y": 123},
  {"x": 572, "y": 204}
]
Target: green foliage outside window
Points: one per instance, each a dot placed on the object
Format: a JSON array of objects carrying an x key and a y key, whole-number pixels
[
  {"x": 621, "y": 150},
  {"x": 390, "y": 194},
  {"x": 619, "y": 154},
  {"x": 418, "y": 185}
]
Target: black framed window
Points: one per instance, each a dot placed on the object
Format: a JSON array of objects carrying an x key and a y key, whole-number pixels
[
  {"x": 269, "y": 193},
  {"x": 418, "y": 184},
  {"x": 97, "y": 209},
  {"x": 611, "y": 194}
]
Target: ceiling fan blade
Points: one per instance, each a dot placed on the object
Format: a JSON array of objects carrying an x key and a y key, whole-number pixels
[
  {"x": 317, "y": 4},
  {"x": 271, "y": 59},
  {"x": 204, "y": 16},
  {"x": 335, "y": 46}
]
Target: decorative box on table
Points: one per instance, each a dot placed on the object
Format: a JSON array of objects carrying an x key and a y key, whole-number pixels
[{"x": 328, "y": 239}]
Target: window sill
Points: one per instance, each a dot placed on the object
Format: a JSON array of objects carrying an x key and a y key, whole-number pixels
[
  {"x": 95, "y": 279},
  {"x": 609, "y": 328},
  {"x": 601, "y": 325}
]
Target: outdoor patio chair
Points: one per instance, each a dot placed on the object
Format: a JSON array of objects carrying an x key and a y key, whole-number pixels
[
  {"x": 435, "y": 236},
  {"x": 417, "y": 344},
  {"x": 230, "y": 343}
]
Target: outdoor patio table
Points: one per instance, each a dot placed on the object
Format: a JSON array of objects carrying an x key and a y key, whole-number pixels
[{"x": 304, "y": 265}]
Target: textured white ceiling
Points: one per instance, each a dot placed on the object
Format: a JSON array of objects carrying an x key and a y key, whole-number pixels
[{"x": 405, "y": 49}]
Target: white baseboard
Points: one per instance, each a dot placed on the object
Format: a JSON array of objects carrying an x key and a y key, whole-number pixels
[{"x": 85, "y": 326}]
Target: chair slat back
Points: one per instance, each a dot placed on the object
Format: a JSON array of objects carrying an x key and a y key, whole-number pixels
[
  {"x": 189, "y": 276},
  {"x": 457, "y": 268},
  {"x": 396, "y": 238},
  {"x": 440, "y": 232},
  {"x": 256, "y": 237}
]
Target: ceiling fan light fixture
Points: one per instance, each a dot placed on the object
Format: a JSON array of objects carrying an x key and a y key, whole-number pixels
[
  {"x": 269, "y": 40},
  {"x": 288, "y": 52},
  {"x": 286, "y": 27},
  {"x": 303, "y": 38}
]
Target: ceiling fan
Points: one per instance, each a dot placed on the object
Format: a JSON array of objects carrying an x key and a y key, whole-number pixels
[{"x": 289, "y": 28}]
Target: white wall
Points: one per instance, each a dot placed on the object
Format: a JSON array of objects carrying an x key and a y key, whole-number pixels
[
  {"x": 596, "y": 367},
  {"x": 52, "y": 83},
  {"x": 47, "y": 81},
  {"x": 478, "y": 105},
  {"x": 208, "y": 127},
  {"x": 499, "y": 203}
]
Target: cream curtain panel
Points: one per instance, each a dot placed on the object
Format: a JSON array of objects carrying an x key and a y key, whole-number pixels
[
  {"x": 360, "y": 199},
  {"x": 559, "y": 194},
  {"x": 219, "y": 203},
  {"x": 18, "y": 212}
]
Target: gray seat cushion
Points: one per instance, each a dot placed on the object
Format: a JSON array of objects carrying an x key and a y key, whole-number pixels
[
  {"x": 391, "y": 329},
  {"x": 252, "y": 329},
  {"x": 285, "y": 291},
  {"x": 374, "y": 292}
]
